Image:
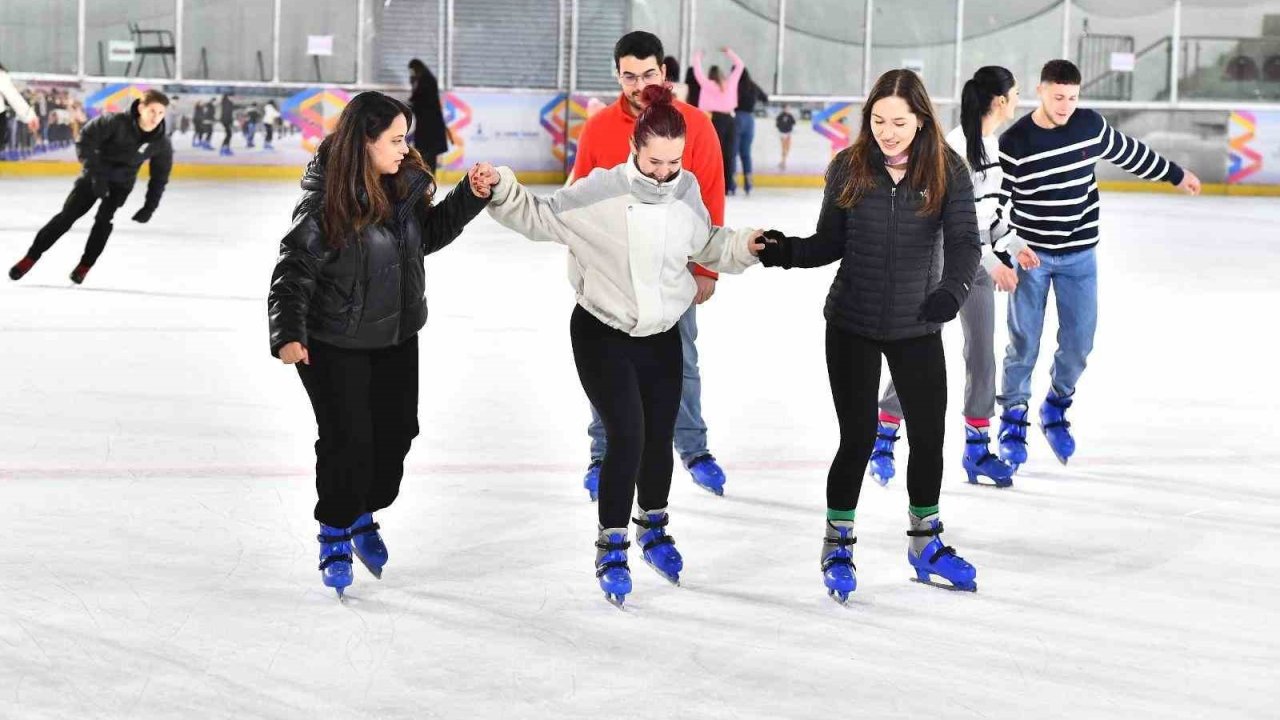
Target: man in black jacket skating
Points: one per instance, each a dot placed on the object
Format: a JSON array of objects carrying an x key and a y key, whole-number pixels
[{"x": 112, "y": 147}]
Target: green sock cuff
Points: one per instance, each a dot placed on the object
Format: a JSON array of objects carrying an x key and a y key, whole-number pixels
[
  {"x": 840, "y": 514},
  {"x": 923, "y": 512}
]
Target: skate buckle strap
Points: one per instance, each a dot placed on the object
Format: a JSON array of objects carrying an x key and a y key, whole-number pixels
[
  {"x": 838, "y": 558},
  {"x": 882, "y": 453},
  {"x": 1014, "y": 421},
  {"x": 1063, "y": 423},
  {"x": 1059, "y": 402},
  {"x": 944, "y": 550},
  {"x": 660, "y": 540},
  {"x": 331, "y": 559},
  {"x": 648, "y": 524},
  {"x": 602, "y": 568},
  {"x": 613, "y": 545},
  {"x": 882, "y": 436},
  {"x": 330, "y": 539},
  {"x": 927, "y": 532},
  {"x": 840, "y": 540},
  {"x": 978, "y": 441},
  {"x": 371, "y": 527}
]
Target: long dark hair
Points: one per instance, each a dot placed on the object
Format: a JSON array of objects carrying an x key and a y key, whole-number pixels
[
  {"x": 355, "y": 194},
  {"x": 927, "y": 171},
  {"x": 987, "y": 84},
  {"x": 417, "y": 70},
  {"x": 714, "y": 76}
]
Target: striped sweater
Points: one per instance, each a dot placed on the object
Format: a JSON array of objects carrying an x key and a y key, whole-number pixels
[{"x": 1050, "y": 192}]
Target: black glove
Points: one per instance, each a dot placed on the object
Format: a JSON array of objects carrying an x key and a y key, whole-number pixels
[
  {"x": 777, "y": 250},
  {"x": 939, "y": 307},
  {"x": 144, "y": 214},
  {"x": 98, "y": 185}
]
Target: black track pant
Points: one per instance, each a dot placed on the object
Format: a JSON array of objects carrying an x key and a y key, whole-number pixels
[
  {"x": 727, "y": 130},
  {"x": 366, "y": 405},
  {"x": 78, "y": 203},
  {"x": 919, "y": 373},
  {"x": 634, "y": 383}
]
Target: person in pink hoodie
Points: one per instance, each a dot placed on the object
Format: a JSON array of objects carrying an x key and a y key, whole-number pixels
[{"x": 719, "y": 96}]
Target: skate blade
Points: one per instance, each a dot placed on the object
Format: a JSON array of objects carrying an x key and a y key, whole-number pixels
[
  {"x": 376, "y": 572},
  {"x": 718, "y": 492},
  {"x": 616, "y": 600},
  {"x": 881, "y": 481},
  {"x": 674, "y": 580},
  {"x": 839, "y": 596},
  {"x": 973, "y": 588}
]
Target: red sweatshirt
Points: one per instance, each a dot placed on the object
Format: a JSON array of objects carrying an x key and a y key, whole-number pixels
[{"x": 605, "y": 143}]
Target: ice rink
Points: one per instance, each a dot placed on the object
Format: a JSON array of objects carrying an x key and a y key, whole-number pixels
[{"x": 156, "y": 493}]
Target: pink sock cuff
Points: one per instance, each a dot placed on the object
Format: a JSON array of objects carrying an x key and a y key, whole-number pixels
[
  {"x": 891, "y": 419},
  {"x": 978, "y": 422}
]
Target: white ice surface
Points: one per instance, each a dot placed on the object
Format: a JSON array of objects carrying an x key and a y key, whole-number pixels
[{"x": 156, "y": 496}]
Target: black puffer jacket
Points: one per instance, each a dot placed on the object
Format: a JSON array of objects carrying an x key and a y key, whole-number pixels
[
  {"x": 370, "y": 294},
  {"x": 114, "y": 147},
  {"x": 891, "y": 257}
]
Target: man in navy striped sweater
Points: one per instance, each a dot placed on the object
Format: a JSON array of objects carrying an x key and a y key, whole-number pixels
[{"x": 1050, "y": 199}]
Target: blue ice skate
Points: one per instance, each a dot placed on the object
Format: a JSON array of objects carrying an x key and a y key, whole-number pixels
[
  {"x": 1057, "y": 430},
  {"x": 837, "y": 560},
  {"x": 979, "y": 462},
  {"x": 611, "y": 565},
  {"x": 938, "y": 559},
  {"x": 881, "y": 465},
  {"x": 707, "y": 474},
  {"x": 370, "y": 550},
  {"x": 591, "y": 481},
  {"x": 1013, "y": 435},
  {"x": 335, "y": 557},
  {"x": 659, "y": 548}
]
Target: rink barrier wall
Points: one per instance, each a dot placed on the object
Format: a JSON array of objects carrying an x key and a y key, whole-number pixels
[{"x": 194, "y": 171}]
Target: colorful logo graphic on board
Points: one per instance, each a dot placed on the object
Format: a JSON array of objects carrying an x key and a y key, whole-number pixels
[
  {"x": 315, "y": 111},
  {"x": 563, "y": 118},
  {"x": 457, "y": 115},
  {"x": 113, "y": 98},
  {"x": 1242, "y": 159},
  {"x": 832, "y": 123}
]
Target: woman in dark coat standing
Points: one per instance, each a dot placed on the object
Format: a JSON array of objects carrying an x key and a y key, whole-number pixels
[
  {"x": 345, "y": 307},
  {"x": 898, "y": 215},
  {"x": 429, "y": 132}
]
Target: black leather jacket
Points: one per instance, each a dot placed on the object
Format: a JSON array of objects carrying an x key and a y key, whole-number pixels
[{"x": 371, "y": 293}]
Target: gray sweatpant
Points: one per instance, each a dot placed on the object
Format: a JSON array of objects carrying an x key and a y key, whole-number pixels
[{"x": 978, "y": 320}]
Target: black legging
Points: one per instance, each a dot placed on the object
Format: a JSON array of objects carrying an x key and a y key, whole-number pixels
[
  {"x": 634, "y": 383},
  {"x": 226, "y": 139},
  {"x": 919, "y": 373},
  {"x": 727, "y": 131}
]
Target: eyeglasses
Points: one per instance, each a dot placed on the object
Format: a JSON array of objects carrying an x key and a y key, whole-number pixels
[{"x": 649, "y": 77}]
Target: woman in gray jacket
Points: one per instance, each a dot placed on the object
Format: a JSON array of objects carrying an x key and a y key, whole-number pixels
[{"x": 632, "y": 229}]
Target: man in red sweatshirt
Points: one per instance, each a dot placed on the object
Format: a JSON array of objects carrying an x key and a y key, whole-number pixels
[{"x": 605, "y": 143}]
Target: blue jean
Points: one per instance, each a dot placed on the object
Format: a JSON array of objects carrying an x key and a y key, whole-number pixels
[
  {"x": 691, "y": 431},
  {"x": 746, "y": 126},
  {"x": 1074, "y": 279}
]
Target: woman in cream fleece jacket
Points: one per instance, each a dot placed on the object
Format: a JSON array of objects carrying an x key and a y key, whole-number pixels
[{"x": 633, "y": 230}]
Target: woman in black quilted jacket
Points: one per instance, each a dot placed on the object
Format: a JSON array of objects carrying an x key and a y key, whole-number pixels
[
  {"x": 345, "y": 306},
  {"x": 898, "y": 214}
]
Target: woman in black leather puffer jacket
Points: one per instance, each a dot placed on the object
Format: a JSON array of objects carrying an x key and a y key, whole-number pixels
[
  {"x": 898, "y": 214},
  {"x": 346, "y": 304}
]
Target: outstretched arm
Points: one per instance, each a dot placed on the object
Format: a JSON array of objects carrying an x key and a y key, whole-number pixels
[
  {"x": 697, "y": 68},
  {"x": 537, "y": 218},
  {"x": 1135, "y": 157}
]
